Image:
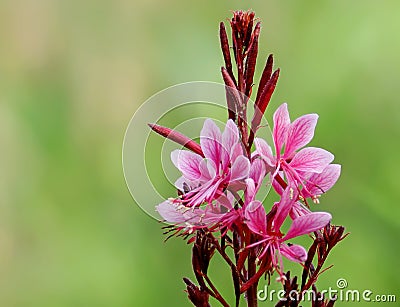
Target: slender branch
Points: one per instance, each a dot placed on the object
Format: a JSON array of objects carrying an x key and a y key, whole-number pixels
[{"x": 216, "y": 295}]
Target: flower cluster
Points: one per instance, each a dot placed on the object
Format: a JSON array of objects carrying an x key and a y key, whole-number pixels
[
  {"x": 211, "y": 182},
  {"x": 217, "y": 205}
]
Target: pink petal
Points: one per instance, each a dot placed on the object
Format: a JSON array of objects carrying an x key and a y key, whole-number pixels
[
  {"x": 298, "y": 210},
  {"x": 170, "y": 212},
  {"x": 255, "y": 217},
  {"x": 276, "y": 185},
  {"x": 306, "y": 224},
  {"x": 226, "y": 200},
  {"x": 289, "y": 197},
  {"x": 188, "y": 163},
  {"x": 207, "y": 169},
  {"x": 236, "y": 186},
  {"x": 176, "y": 213},
  {"x": 300, "y": 133},
  {"x": 210, "y": 141},
  {"x": 311, "y": 159},
  {"x": 236, "y": 151},
  {"x": 281, "y": 125},
  {"x": 250, "y": 191},
  {"x": 265, "y": 151},
  {"x": 182, "y": 184},
  {"x": 257, "y": 171},
  {"x": 295, "y": 253},
  {"x": 230, "y": 137},
  {"x": 240, "y": 168},
  {"x": 320, "y": 183}
]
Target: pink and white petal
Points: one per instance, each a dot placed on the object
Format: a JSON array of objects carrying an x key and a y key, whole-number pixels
[
  {"x": 307, "y": 223},
  {"x": 240, "y": 169},
  {"x": 210, "y": 141},
  {"x": 226, "y": 201},
  {"x": 275, "y": 184},
  {"x": 188, "y": 163},
  {"x": 288, "y": 198},
  {"x": 255, "y": 217},
  {"x": 281, "y": 125},
  {"x": 257, "y": 171},
  {"x": 236, "y": 151},
  {"x": 184, "y": 184},
  {"x": 207, "y": 169},
  {"x": 298, "y": 210},
  {"x": 311, "y": 159},
  {"x": 236, "y": 186},
  {"x": 295, "y": 253},
  {"x": 265, "y": 151},
  {"x": 300, "y": 133},
  {"x": 250, "y": 191},
  {"x": 320, "y": 183},
  {"x": 230, "y": 137},
  {"x": 211, "y": 218},
  {"x": 170, "y": 212}
]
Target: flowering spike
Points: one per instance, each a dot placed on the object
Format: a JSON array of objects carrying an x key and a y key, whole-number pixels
[
  {"x": 261, "y": 104},
  {"x": 177, "y": 137},
  {"x": 266, "y": 75},
  {"x": 225, "y": 51},
  {"x": 251, "y": 60},
  {"x": 221, "y": 177}
]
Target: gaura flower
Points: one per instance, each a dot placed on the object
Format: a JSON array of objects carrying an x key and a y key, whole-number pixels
[
  {"x": 298, "y": 165},
  {"x": 315, "y": 185},
  {"x": 187, "y": 220},
  {"x": 272, "y": 241},
  {"x": 224, "y": 165},
  {"x": 219, "y": 212}
]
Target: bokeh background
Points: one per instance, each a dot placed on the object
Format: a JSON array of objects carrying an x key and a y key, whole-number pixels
[{"x": 72, "y": 73}]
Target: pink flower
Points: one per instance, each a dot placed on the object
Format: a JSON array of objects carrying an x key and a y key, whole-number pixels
[
  {"x": 300, "y": 166},
  {"x": 188, "y": 219},
  {"x": 224, "y": 165},
  {"x": 272, "y": 239},
  {"x": 220, "y": 212},
  {"x": 315, "y": 185}
]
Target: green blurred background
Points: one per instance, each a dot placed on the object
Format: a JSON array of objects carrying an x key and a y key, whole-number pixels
[{"x": 72, "y": 73}]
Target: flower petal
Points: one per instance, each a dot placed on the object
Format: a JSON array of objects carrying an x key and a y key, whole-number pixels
[
  {"x": 226, "y": 201},
  {"x": 257, "y": 171},
  {"x": 298, "y": 210},
  {"x": 306, "y": 224},
  {"x": 311, "y": 159},
  {"x": 318, "y": 184},
  {"x": 295, "y": 253},
  {"x": 240, "y": 169},
  {"x": 256, "y": 217},
  {"x": 276, "y": 185},
  {"x": 188, "y": 163},
  {"x": 176, "y": 213},
  {"x": 250, "y": 191},
  {"x": 230, "y": 137},
  {"x": 289, "y": 197},
  {"x": 236, "y": 151},
  {"x": 208, "y": 169},
  {"x": 210, "y": 141},
  {"x": 300, "y": 133},
  {"x": 170, "y": 212},
  {"x": 184, "y": 184},
  {"x": 265, "y": 151},
  {"x": 281, "y": 125}
]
